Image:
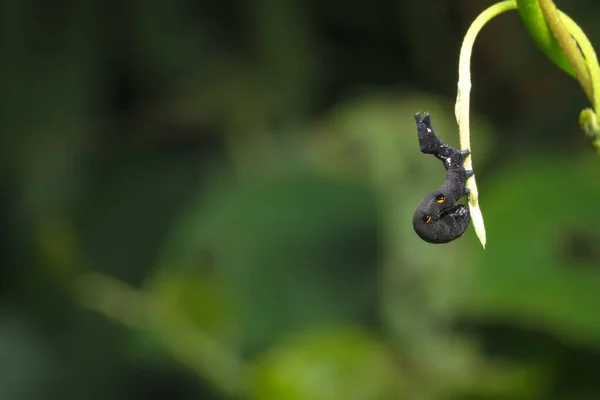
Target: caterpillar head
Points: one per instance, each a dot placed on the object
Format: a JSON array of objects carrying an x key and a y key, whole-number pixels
[{"x": 439, "y": 220}]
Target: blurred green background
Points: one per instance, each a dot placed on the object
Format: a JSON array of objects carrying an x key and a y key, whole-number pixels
[{"x": 213, "y": 200}]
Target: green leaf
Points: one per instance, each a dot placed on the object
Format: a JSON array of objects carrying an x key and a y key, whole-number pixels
[{"x": 538, "y": 29}]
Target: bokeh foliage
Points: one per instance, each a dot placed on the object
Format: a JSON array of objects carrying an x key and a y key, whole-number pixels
[{"x": 213, "y": 200}]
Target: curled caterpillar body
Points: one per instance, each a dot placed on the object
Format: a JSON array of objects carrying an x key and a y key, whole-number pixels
[{"x": 438, "y": 218}]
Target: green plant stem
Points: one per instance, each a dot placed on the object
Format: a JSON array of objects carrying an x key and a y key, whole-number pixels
[
  {"x": 462, "y": 105},
  {"x": 568, "y": 35},
  {"x": 568, "y": 44}
]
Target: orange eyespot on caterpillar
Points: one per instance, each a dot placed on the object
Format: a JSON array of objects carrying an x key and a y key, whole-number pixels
[{"x": 438, "y": 218}]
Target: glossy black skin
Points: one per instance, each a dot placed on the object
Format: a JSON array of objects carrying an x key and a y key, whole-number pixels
[{"x": 437, "y": 218}]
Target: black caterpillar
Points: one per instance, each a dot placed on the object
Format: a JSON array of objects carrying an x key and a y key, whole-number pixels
[{"x": 437, "y": 218}]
